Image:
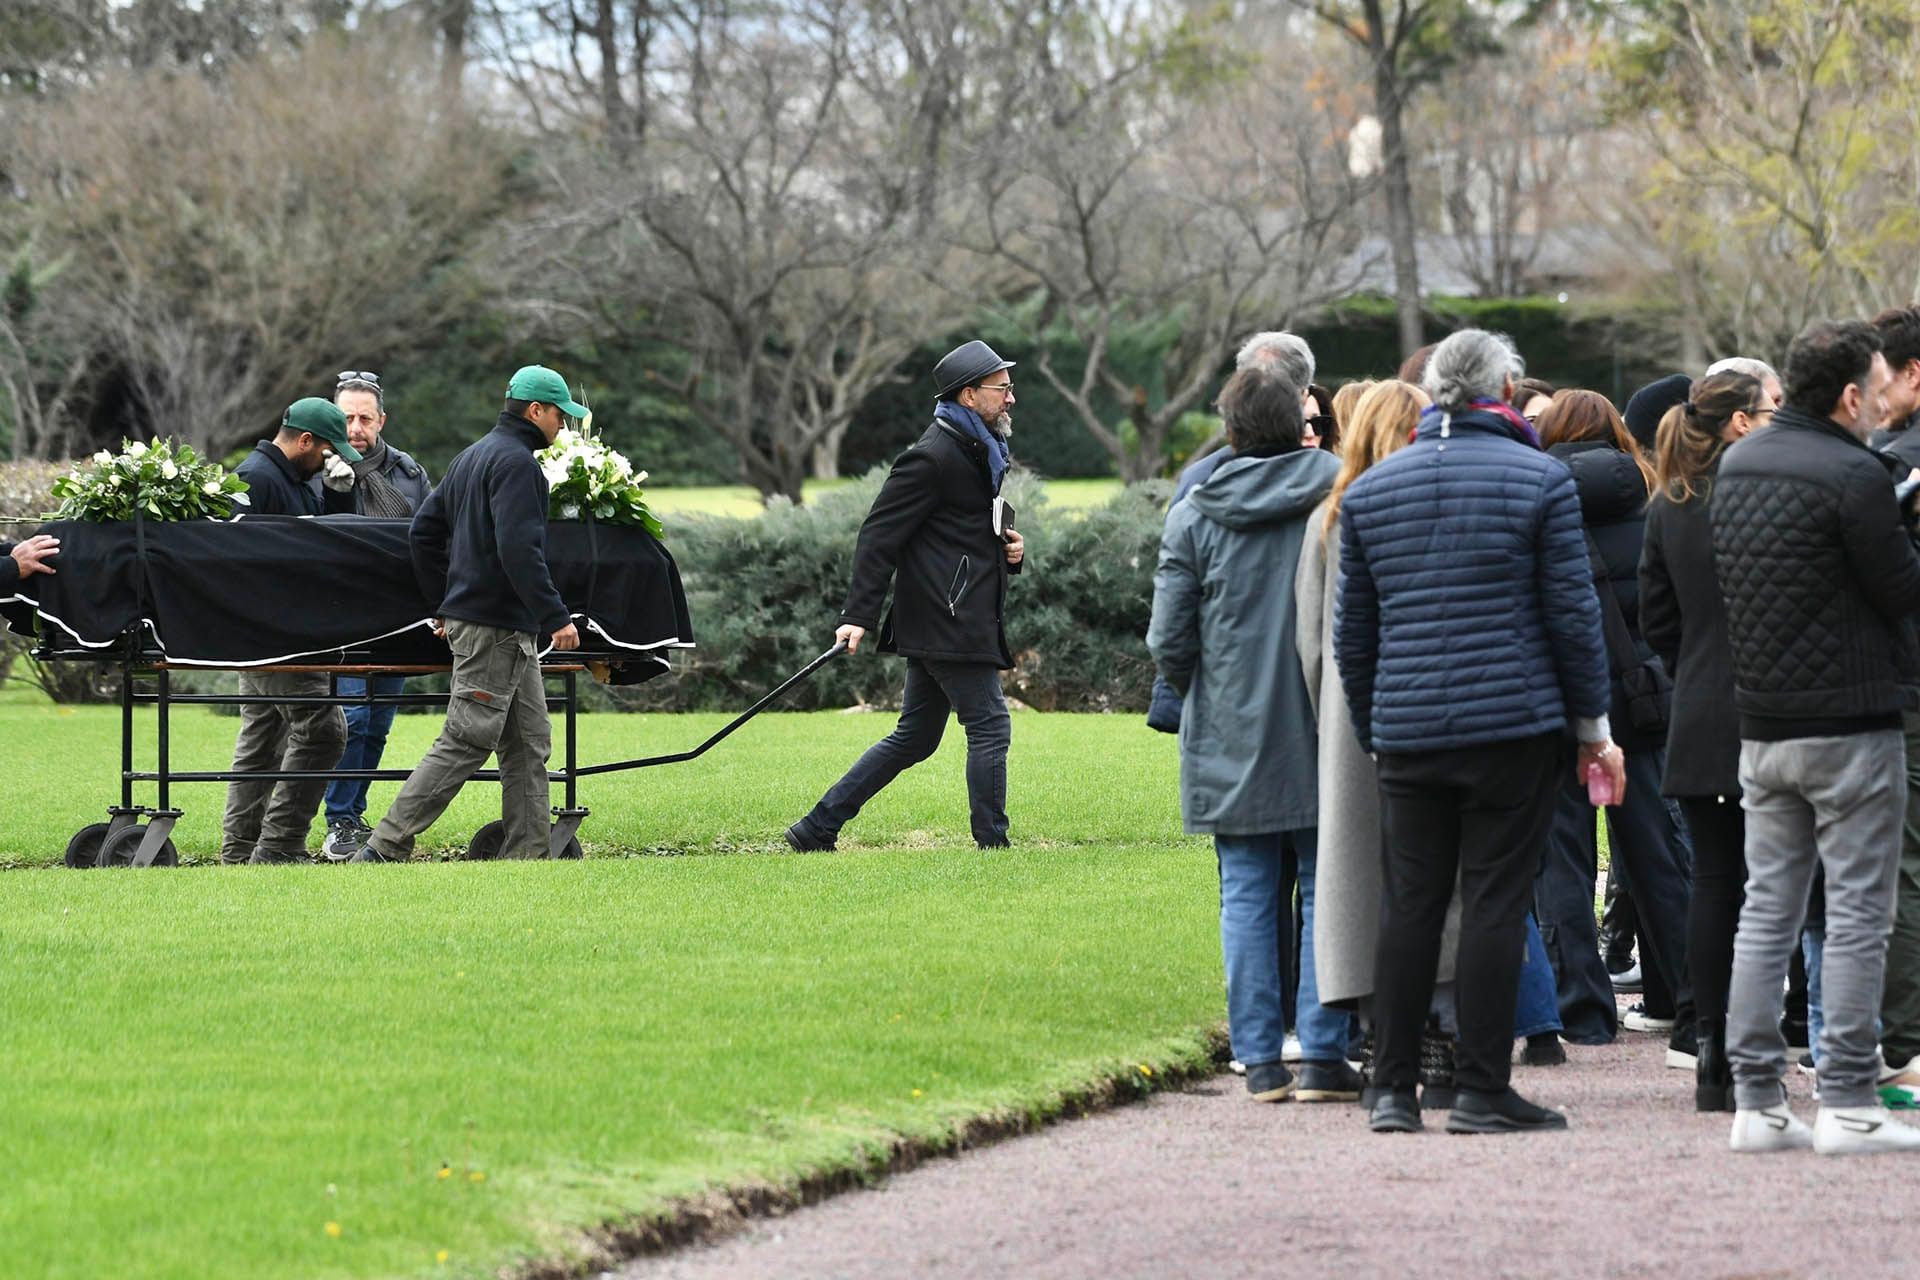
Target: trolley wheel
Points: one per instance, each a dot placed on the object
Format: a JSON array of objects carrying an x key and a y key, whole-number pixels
[
  {"x": 118, "y": 849},
  {"x": 486, "y": 842},
  {"x": 84, "y": 849}
]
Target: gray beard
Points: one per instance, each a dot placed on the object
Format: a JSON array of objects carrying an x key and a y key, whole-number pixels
[{"x": 1002, "y": 426}]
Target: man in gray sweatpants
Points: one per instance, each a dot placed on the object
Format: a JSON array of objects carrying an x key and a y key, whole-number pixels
[{"x": 1819, "y": 572}]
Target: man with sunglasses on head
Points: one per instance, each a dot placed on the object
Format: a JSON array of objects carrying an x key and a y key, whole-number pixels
[
  {"x": 267, "y": 822},
  {"x": 480, "y": 551},
  {"x": 387, "y": 485},
  {"x": 940, "y": 534}
]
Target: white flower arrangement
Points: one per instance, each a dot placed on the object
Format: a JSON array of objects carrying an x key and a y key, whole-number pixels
[
  {"x": 163, "y": 480},
  {"x": 585, "y": 476}
]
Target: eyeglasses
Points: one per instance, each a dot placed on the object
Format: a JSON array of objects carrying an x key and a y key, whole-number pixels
[
  {"x": 358, "y": 375},
  {"x": 995, "y": 386}
]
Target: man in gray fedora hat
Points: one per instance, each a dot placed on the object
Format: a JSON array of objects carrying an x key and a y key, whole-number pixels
[{"x": 940, "y": 533}]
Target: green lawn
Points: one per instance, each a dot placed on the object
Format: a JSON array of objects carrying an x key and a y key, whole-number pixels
[
  {"x": 744, "y": 500},
  {"x": 265, "y": 1071}
]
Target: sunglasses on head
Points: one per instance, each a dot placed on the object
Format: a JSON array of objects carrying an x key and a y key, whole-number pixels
[{"x": 358, "y": 375}]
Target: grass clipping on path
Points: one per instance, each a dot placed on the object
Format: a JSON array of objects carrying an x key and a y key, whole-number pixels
[{"x": 445, "y": 1069}]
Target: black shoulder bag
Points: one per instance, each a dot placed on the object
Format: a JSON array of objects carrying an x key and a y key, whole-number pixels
[{"x": 1643, "y": 681}]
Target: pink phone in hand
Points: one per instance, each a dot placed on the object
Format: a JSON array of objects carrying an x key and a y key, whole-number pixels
[{"x": 1599, "y": 786}]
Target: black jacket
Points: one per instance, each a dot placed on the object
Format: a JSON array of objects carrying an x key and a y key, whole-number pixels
[
  {"x": 1684, "y": 619},
  {"x": 479, "y": 541},
  {"x": 274, "y": 488},
  {"x": 9, "y": 570},
  {"x": 931, "y": 533},
  {"x": 1613, "y": 512},
  {"x": 1819, "y": 575}
]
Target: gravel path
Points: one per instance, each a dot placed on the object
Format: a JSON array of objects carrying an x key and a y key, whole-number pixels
[{"x": 1209, "y": 1182}]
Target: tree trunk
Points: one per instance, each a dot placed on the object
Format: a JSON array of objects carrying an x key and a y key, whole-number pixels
[
  {"x": 826, "y": 454},
  {"x": 1401, "y": 232},
  {"x": 455, "y": 17}
]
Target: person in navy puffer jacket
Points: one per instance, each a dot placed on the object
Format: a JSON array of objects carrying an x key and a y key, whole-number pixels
[{"x": 1469, "y": 641}]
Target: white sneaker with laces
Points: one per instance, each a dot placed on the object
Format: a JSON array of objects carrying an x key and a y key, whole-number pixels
[
  {"x": 1290, "y": 1050},
  {"x": 1861, "y": 1131},
  {"x": 1769, "y": 1129},
  {"x": 1636, "y": 1018}
]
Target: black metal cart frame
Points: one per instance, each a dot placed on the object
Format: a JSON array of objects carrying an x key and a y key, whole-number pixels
[{"x": 141, "y": 835}]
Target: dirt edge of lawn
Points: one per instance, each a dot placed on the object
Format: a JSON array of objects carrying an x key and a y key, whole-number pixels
[{"x": 724, "y": 1211}]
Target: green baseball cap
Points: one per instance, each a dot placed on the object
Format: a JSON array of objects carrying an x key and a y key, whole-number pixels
[
  {"x": 324, "y": 419},
  {"x": 539, "y": 384}
]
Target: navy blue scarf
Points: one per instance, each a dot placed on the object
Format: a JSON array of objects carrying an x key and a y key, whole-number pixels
[{"x": 999, "y": 456}]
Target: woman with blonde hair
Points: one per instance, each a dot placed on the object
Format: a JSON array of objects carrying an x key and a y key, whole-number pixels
[{"x": 1344, "y": 402}]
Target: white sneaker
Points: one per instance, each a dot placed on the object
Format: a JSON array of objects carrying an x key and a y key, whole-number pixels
[
  {"x": 1769, "y": 1129},
  {"x": 1636, "y": 1018},
  {"x": 1861, "y": 1131},
  {"x": 1900, "y": 1086},
  {"x": 1290, "y": 1050}
]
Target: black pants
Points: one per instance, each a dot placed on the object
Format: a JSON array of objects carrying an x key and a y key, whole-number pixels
[
  {"x": 1719, "y": 886},
  {"x": 971, "y": 690},
  {"x": 1480, "y": 814}
]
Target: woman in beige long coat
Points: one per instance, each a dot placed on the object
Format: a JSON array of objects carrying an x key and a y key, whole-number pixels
[{"x": 1347, "y": 906}]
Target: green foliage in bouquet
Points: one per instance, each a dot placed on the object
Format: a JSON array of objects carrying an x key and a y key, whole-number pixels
[
  {"x": 162, "y": 480},
  {"x": 585, "y": 477}
]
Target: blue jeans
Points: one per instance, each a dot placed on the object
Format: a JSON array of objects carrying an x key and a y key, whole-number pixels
[
  {"x": 367, "y": 728},
  {"x": 1256, "y": 928},
  {"x": 1813, "y": 945},
  {"x": 1538, "y": 1006}
]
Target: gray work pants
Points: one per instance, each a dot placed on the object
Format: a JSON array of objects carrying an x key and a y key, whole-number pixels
[
  {"x": 278, "y": 815},
  {"x": 498, "y": 705},
  {"x": 1836, "y": 803}
]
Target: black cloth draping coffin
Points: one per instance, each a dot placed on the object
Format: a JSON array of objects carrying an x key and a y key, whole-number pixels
[{"x": 269, "y": 589}]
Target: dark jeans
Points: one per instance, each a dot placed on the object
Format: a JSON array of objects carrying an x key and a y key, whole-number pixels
[
  {"x": 971, "y": 690},
  {"x": 1481, "y": 815},
  {"x": 1900, "y": 1003},
  {"x": 1563, "y": 904},
  {"x": 1719, "y": 831},
  {"x": 367, "y": 728}
]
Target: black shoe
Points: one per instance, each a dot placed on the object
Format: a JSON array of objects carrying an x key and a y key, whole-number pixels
[
  {"x": 1505, "y": 1112},
  {"x": 265, "y": 857},
  {"x": 344, "y": 836},
  {"x": 1544, "y": 1050},
  {"x": 1712, "y": 1073},
  {"x": 799, "y": 837},
  {"x": 1269, "y": 1081},
  {"x": 1334, "y": 1081},
  {"x": 367, "y": 853},
  {"x": 1395, "y": 1111},
  {"x": 1436, "y": 1070}
]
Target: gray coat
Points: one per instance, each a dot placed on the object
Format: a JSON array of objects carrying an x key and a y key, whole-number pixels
[
  {"x": 1347, "y": 884},
  {"x": 1222, "y": 632}
]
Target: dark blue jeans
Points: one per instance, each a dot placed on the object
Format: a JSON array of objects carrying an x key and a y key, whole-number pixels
[
  {"x": 367, "y": 728},
  {"x": 971, "y": 691}
]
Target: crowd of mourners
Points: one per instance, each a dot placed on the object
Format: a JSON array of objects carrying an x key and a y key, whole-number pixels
[{"x": 1419, "y": 635}]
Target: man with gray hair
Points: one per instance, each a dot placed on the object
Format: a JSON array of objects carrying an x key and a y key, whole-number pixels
[
  {"x": 1769, "y": 380},
  {"x": 1468, "y": 637},
  {"x": 1290, "y": 358}
]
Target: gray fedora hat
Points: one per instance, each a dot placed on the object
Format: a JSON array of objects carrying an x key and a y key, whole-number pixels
[{"x": 965, "y": 365}]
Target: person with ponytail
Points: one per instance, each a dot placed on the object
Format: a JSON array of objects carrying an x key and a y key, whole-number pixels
[{"x": 1684, "y": 619}]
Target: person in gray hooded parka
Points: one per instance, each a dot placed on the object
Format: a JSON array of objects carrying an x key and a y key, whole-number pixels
[{"x": 1224, "y": 617}]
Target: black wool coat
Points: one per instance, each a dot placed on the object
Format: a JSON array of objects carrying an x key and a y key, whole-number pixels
[
  {"x": 1820, "y": 578},
  {"x": 930, "y": 533},
  {"x": 1684, "y": 619},
  {"x": 1613, "y": 512},
  {"x": 274, "y": 488}
]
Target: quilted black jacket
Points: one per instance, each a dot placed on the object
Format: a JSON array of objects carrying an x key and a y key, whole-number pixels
[{"x": 1819, "y": 574}]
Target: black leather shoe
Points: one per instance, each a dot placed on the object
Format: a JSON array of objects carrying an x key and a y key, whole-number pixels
[
  {"x": 802, "y": 842},
  {"x": 265, "y": 857},
  {"x": 1269, "y": 1081},
  {"x": 367, "y": 853},
  {"x": 1544, "y": 1050},
  {"x": 1334, "y": 1081},
  {"x": 1395, "y": 1111},
  {"x": 1506, "y": 1112}
]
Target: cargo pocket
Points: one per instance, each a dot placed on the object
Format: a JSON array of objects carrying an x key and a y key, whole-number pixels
[{"x": 476, "y": 715}]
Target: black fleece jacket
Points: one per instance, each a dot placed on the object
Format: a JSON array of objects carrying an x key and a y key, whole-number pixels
[
  {"x": 479, "y": 541},
  {"x": 274, "y": 488},
  {"x": 1820, "y": 575}
]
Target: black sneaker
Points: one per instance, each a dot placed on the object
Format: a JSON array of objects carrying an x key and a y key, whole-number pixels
[
  {"x": 1395, "y": 1111},
  {"x": 1269, "y": 1081},
  {"x": 1436, "y": 1070},
  {"x": 1334, "y": 1081},
  {"x": 802, "y": 840},
  {"x": 1506, "y": 1112},
  {"x": 1544, "y": 1050},
  {"x": 1683, "y": 1047},
  {"x": 344, "y": 838},
  {"x": 265, "y": 857},
  {"x": 367, "y": 853}
]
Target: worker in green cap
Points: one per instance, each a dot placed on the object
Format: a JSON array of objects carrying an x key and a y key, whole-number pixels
[
  {"x": 480, "y": 551},
  {"x": 268, "y": 822}
]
